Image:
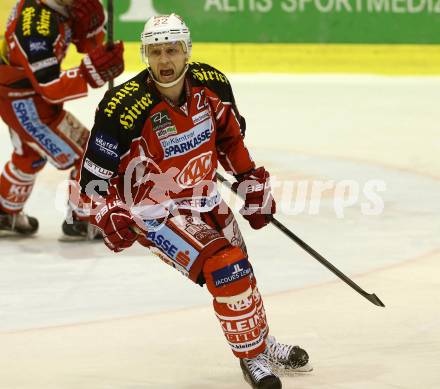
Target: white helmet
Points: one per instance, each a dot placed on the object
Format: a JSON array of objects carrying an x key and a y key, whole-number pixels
[{"x": 165, "y": 29}]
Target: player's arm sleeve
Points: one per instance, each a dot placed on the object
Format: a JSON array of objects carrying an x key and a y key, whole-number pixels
[
  {"x": 102, "y": 156},
  {"x": 232, "y": 152},
  {"x": 35, "y": 53}
]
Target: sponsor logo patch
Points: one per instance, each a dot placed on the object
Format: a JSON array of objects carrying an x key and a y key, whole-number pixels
[
  {"x": 28, "y": 14},
  {"x": 182, "y": 144},
  {"x": 38, "y": 45},
  {"x": 97, "y": 170},
  {"x": 241, "y": 305},
  {"x": 123, "y": 92},
  {"x": 202, "y": 232},
  {"x": 166, "y": 132},
  {"x": 20, "y": 94},
  {"x": 207, "y": 202},
  {"x": 39, "y": 162},
  {"x": 195, "y": 170},
  {"x": 43, "y": 24},
  {"x": 55, "y": 147},
  {"x": 132, "y": 113},
  {"x": 163, "y": 243},
  {"x": 106, "y": 208},
  {"x": 92, "y": 72},
  {"x": 174, "y": 247},
  {"x": 45, "y": 63},
  {"x": 160, "y": 120},
  {"x": 231, "y": 273},
  {"x": 106, "y": 145},
  {"x": 207, "y": 75},
  {"x": 162, "y": 124},
  {"x": 19, "y": 193},
  {"x": 201, "y": 117}
]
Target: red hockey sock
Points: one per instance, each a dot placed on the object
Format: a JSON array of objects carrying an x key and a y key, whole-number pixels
[
  {"x": 264, "y": 327},
  {"x": 15, "y": 188},
  {"x": 227, "y": 277}
]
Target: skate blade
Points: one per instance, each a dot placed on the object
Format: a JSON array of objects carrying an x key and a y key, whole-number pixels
[
  {"x": 249, "y": 381},
  {"x": 71, "y": 239},
  {"x": 283, "y": 371},
  {"x": 8, "y": 234}
]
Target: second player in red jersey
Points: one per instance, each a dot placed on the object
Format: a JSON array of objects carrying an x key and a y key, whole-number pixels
[{"x": 33, "y": 88}]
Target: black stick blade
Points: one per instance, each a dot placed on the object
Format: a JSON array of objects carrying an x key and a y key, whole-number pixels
[{"x": 375, "y": 300}]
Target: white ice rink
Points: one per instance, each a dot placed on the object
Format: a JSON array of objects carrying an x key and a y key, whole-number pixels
[{"x": 76, "y": 316}]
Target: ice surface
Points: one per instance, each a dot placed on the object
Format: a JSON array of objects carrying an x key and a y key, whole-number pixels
[{"x": 303, "y": 129}]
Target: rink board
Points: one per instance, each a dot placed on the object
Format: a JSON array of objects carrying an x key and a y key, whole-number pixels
[{"x": 399, "y": 59}]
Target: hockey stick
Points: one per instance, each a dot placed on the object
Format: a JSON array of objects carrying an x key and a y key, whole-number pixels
[
  {"x": 110, "y": 32},
  {"x": 369, "y": 296}
]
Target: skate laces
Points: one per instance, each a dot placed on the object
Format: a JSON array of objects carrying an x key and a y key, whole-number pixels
[
  {"x": 258, "y": 367},
  {"x": 277, "y": 350}
]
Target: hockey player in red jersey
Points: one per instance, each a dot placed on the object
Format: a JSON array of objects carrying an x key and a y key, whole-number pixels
[
  {"x": 151, "y": 161},
  {"x": 33, "y": 89}
]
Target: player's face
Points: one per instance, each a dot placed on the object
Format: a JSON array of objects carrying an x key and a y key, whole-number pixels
[{"x": 167, "y": 61}]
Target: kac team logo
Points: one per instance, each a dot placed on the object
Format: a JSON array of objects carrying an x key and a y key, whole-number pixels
[{"x": 195, "y": 170}]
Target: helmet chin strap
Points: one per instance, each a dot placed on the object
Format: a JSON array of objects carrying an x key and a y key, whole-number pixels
[{"x": 169, "y": 84}]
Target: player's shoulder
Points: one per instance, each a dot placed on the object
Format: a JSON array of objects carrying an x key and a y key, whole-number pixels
[
  {"x": 129, "y": 101},
  {"x": 205, "y": 74},
  {"x": 125, "y": 95},
  {"x": 38, "y": 23}
]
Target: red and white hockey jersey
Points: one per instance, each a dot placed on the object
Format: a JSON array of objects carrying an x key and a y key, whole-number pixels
[
  {"x": 146, "y": 147},
  {"x": 35, "y": 44}
]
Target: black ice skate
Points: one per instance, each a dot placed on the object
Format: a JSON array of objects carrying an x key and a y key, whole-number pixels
[
  {"x": 259, "y": 374},
  {"x": 285, "y": 359},
  {"x": 77, "y": 230},
  {"x": 18, "y": 223}
]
